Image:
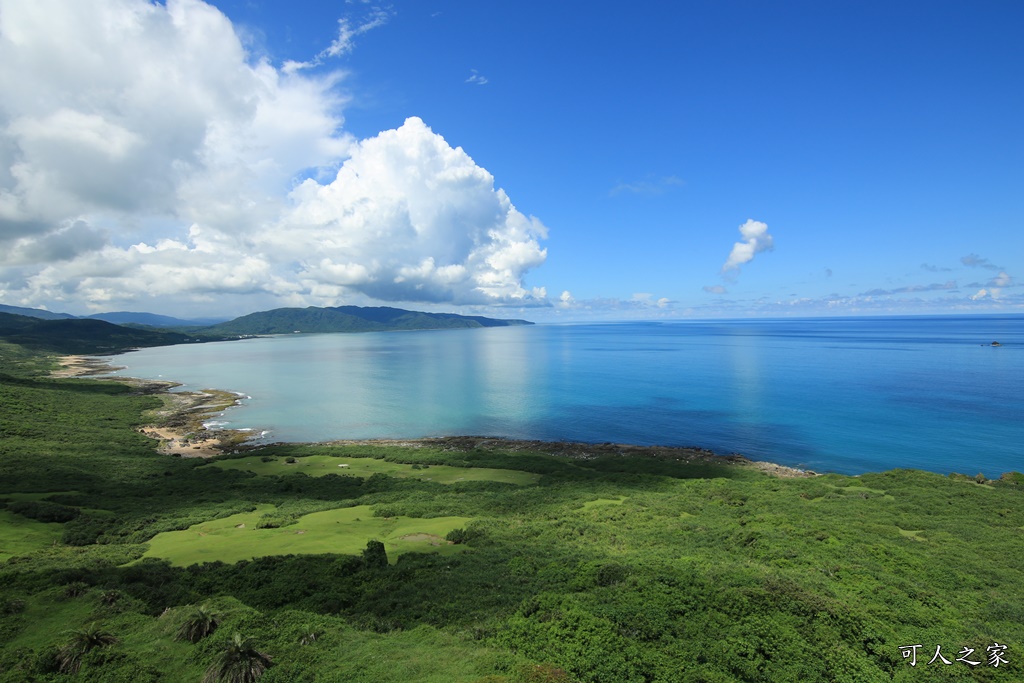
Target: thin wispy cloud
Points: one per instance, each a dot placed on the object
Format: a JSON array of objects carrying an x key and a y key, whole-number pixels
[
  {"x": 476, "y": 78},
  {"x": 975, "y": 261},
  {"x": 714, "y": 289},
  {"x": 935, "y": 269},
  {"x": 345, "y": 41},
  {"x": 934, "y": 287},
  {"x": 648, "y": 186},
  {"x": 646, "y": 299}
]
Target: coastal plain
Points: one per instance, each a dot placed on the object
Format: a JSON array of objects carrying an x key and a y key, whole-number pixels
[{"x": 477, "y": 560}]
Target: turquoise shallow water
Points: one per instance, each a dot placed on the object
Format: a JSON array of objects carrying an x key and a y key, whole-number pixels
[{"x": 843, "y": 395}]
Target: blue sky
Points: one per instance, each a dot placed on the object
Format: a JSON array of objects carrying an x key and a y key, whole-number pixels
[{"x": 870, "y": 150}]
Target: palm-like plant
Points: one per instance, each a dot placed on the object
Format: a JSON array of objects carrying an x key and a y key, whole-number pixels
[
  {"x": 110, "y": 597},
  {"x": 239, "y": 662},
  {"x": 201, "y": 623},
  {"x": 83, "y": 641}
]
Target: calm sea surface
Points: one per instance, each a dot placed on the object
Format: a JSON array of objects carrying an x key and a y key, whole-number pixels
[{"x": 843, "y": 395}]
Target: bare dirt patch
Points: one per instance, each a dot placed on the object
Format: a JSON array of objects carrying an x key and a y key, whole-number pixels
[
  {"x": 432, "y": 539},
  {"x": 82, "y": 366}
]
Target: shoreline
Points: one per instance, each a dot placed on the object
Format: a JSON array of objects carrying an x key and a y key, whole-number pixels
[
  {"x": 179, "y": 425},
  {"x": 181, "y": 430}
]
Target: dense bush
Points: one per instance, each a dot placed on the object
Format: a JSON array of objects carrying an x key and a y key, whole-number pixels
[{"x": 44, "y": 511}]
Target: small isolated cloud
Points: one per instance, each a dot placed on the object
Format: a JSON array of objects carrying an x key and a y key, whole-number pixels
[
  {"x": 1001, "y": 280},
  {"x": 828, "y": 272},
  {"x": 641, "y": 305},
  {"x": 476, "y": 78},
  {"x": 648, "y": 186},
  {"x": 755, "y": 240},
  {"x": 975, "y": 261},
  {"x": 714, "y": 289},
  {"x": 935, "y": 269},
  {"x": 982, "y": 293},
  {"x": 647, "y": 300}
]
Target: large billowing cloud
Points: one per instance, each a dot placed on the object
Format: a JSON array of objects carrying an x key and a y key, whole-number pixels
[
  {"x": 144, "y": 153},
  {"x": 410, "y": 218}
]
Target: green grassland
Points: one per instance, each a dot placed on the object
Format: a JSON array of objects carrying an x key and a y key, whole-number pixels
[
  {"x": 19, "y": 535},
  {"x": 340, "y": 531},
  {"x": 604, "y": 569},
  {"x": 365, "y": 465}
]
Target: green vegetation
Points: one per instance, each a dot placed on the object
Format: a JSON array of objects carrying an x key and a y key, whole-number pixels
[
  {"x": 89, "y": 336},
  {"x": 263, "y": 533},
  {"x": 238, "y": 662},
  {"x": 362, "y": 465},
  {"x": 20, "y": 535},
  {"x": 350, "y": 319},
  {"x": 200, "y": 624},
  {"x": 82, "y": 642},
  {"x": 126, "y": 565},
  {"x": 61, "y": 333}
]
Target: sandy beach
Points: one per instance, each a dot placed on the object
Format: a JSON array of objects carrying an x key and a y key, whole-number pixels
[{"x": 82, "y": 366}]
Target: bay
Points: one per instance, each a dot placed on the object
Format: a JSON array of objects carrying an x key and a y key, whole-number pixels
[{"x": 846, "y": 395}]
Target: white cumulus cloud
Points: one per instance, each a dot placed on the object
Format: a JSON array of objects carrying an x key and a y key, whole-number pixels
[
  {"x": 755, "y": 240},
  {"x": 421, "y": 220}
]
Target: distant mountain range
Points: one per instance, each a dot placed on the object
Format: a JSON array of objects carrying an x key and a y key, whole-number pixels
[
  {"x": 116, "y": 332},
  {"x": 350, "y": 319},
  {"x": 34, "y": 312},
  {"x": 118, "y": 317}
]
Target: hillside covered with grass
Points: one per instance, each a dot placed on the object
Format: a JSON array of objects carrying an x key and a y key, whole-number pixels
[
  {"x": 85, "y": 335},
  {"x": 485, "y": 563}
]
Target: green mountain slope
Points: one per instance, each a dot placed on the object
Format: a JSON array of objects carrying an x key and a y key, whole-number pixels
[
  {"x": 83, "y": 335},
  {"x": 151, "y": 319},
  {"x": 34, "y": 312},
  {"x": 350, "y": 319}
]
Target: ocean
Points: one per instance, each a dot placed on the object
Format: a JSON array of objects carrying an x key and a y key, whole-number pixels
[{"x": 848, "y": 395}]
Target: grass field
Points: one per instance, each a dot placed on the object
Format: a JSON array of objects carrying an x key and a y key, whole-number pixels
[
  {"x": 342, "y": 531},
  {"x": 19, "y": 535},
  {"x": 601, "y": 502},
  {"x": 319, "y": 465}
]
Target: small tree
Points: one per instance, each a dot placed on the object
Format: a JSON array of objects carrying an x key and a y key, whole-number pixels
[
  {"x": 83, "y": 641},
  {"x": 239, "y": 662},
  {"x": 201, "y": 623},
  {"x": 375, "y": 556}
]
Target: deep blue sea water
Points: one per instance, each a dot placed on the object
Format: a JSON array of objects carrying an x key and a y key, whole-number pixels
[{"x": 846, "y": 395}]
